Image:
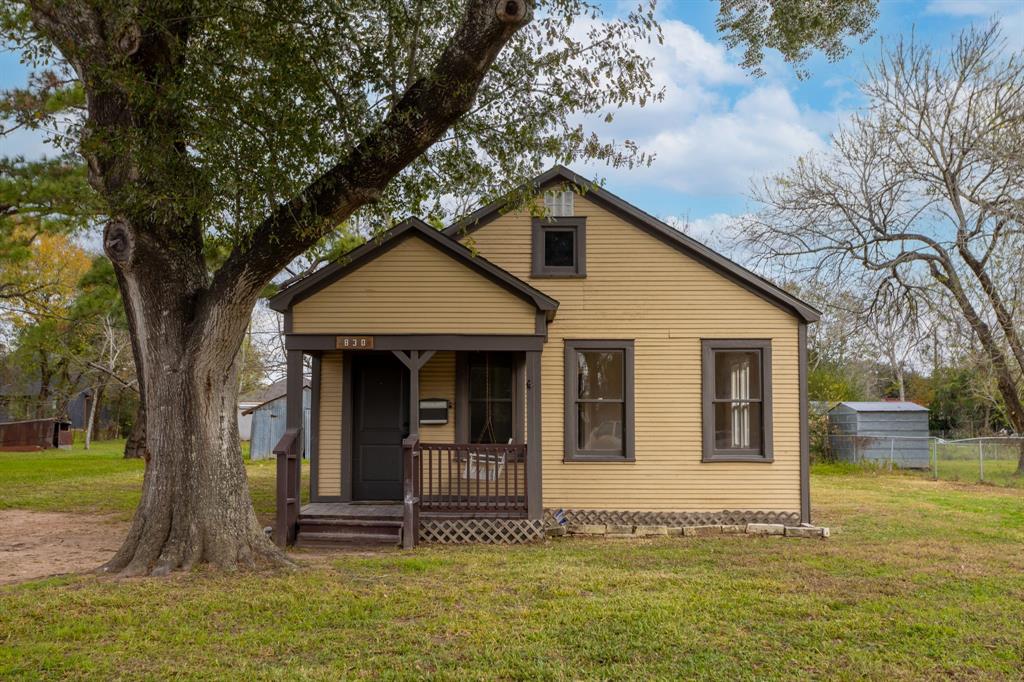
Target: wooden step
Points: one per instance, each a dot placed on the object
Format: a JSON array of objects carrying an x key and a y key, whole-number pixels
[
  {"x": 318, "y": 539},
  {"x": 351, "y": 526},
  {"x": 332, "y": 521}
]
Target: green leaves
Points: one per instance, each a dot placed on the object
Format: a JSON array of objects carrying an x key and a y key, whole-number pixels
[{"x": 795, "y": 28}]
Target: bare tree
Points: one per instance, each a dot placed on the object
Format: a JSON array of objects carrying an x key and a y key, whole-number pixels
[
  {"x": 922, "y": 193},
  {"x": 112, "y": 365}
]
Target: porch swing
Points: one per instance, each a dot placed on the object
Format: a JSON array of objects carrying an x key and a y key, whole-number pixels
[{"x": 486, "y": 466}]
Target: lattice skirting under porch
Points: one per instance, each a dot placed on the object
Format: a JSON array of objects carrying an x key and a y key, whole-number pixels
[
  {"x": 488, "y": 531},
  {"x": 672, "y": 519}
]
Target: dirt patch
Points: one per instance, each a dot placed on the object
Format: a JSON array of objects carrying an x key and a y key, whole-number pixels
[{"x": 38, "y": 544}]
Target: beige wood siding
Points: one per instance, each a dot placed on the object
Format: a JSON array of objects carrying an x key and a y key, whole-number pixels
[
  {"x": 413, "y": 289},
  {"x": 329, "y": 460},
  {"x": 639, "y": 288},
  {"x": 437, "y": 380}
]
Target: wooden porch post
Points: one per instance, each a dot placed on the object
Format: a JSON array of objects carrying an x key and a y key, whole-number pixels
[
  {"x": 414, "y": 361},
  {"x": 534, "y": 493},
  {"x": 289, "y": 455}
]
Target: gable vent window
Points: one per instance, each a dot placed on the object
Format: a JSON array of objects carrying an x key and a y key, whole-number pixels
[{"x": 559, "y": 204}]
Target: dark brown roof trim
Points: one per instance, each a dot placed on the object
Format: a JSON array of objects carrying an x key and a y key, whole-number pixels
[
  {"x": 630, "y": 213},
  {"x": 365, "y": 253}
]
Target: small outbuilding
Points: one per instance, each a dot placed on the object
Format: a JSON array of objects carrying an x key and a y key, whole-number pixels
[
  {"x": 881, "y": 432},
  {"x": 268, "y": 422},
  {"x": 35, "y": 434}
]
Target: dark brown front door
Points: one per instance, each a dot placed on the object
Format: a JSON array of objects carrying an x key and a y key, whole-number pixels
[{"x": 380, "y": 412}]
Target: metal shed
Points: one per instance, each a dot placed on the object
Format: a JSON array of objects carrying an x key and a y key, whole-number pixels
[
  {"x": 880, "y": 432},
  {"x": 268, "y": 425}
]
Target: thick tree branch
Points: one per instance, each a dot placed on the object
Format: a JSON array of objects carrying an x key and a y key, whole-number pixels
[{"x": 425, "y": 111}]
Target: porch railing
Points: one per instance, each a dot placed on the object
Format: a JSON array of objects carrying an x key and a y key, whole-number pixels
[
  {"x": 289, "y": 480},
  {"x": 462, "y": 477},
  {"x": 411, "y": 499}
]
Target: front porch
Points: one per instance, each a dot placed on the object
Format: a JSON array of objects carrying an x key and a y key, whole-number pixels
[
  {"x": 393, "y": 485},
  {"x": 426, "y": 386}
]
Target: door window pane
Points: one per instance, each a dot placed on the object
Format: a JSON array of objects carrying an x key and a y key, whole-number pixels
[
  {"x": 498, "y": 429},
  {"x": 491, "y": 397}
]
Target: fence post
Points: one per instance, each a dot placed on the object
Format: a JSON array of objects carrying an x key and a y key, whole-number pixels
[
  {"x": 935, "y": 465},
  {"x": 892, "y": 448},
  {"x": 981, "y": 460}
]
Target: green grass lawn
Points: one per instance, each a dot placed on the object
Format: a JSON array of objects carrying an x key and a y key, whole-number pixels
[
  {"x": 960, "y": 462},
  {"x": 100, "y": 480},
  {"x": 920, "y": 580}
]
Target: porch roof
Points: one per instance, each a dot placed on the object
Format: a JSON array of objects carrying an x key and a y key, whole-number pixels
[{"x": 300, "y": 289}]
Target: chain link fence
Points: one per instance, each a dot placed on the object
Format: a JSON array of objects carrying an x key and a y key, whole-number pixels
[{"x": 990, "y": 459}]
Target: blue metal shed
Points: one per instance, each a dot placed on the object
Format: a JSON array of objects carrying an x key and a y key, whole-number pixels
[
  {"x": 268, "y": 425},
  {"x": 881, "y": 432}
]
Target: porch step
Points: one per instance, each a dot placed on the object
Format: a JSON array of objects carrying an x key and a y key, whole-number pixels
[
  {"x": 326, "y": 531},
  {"x": 307, "y": 539},
  {"x": 320, "y": 521}
]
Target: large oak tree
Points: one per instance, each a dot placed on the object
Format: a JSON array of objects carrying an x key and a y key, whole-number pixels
[{"x": 255, "y": 127}]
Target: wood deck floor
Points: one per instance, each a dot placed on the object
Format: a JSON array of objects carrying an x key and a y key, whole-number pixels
[{"x": 353, "y": 509}]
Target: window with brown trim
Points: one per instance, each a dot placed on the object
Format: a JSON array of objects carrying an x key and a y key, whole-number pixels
[
  {"x": 491, "y": 397},
  {"x": 559, "y": 247},
  {"x": 737, "y": 400},
  {"x": 599, "y": 401}
]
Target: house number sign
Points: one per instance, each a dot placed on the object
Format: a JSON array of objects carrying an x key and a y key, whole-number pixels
[{"x": 354, "y": 343}]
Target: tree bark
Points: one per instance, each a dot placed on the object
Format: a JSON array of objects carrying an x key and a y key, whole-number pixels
[
  {"x": 135, "y": 446},
  {"x": 195, "y": 504}
]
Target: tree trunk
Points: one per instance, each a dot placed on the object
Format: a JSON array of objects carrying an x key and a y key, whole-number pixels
[
  {"x": 195, "y": 504},
  {"x": 90, "y": 420},
  {"x": 135, "y": 446}
]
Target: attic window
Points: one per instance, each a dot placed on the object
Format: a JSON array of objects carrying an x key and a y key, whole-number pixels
[
  {"x": 559, "y": 247},
  {"x": 559, "y": 204}
]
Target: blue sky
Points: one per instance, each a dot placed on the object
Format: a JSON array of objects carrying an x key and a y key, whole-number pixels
[{"x": 719, "y": 127}]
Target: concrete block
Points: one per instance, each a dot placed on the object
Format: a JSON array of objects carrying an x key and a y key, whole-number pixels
[
  {"x": 650, "y": 531},
  {"x": 586, "y": 529},
  {"x": 766, "y": 529},
  {"x": 701, "y": 531}
]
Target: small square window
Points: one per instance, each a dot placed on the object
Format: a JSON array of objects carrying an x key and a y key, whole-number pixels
[{"x": 559, "y": 247}]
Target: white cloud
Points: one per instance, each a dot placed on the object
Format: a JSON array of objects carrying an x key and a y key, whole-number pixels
[
  {"x": 716, "y": 127},
  {"x": 717, "y": 151},
  {"x": 971, "y": 8},
  {"x": 1010, "y": 14}
]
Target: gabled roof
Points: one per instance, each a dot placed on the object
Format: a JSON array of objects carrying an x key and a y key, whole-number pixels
[
  {"x": 883, "y": 406},
  {"x": 671, "y": 236},
  {"x": 411, "y": 228}
]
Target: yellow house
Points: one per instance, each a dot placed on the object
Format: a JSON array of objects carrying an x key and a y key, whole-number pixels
[{"x": 592, "y": 364}]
